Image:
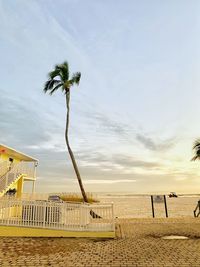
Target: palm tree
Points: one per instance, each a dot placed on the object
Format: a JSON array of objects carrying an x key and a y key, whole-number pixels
[
  {"x": 59, "y": 78},
  {"x": 196, "y": 147}
]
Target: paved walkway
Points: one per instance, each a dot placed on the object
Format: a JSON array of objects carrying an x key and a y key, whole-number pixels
[{"x": 138, "y": 243}]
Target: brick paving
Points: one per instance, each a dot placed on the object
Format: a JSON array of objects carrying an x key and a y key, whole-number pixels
[{"x": 138, "y": 243}]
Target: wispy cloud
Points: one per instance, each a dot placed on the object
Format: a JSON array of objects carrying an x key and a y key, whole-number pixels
[
  {"x": 20, "y": 122},
  {"x": 108, "y": 181},
  {"x": 150, "y": 144},
  {"x": 128, "y": 161}
]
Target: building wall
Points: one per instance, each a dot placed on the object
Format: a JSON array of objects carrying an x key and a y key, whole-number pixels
[{"x": 5, "y": 156}]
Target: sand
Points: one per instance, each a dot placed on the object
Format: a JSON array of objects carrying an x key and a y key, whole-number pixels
[{"x": 140, "y": 206}]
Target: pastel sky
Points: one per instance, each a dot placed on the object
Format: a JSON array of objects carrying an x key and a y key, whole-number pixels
[{"x": 136, "y": 112}]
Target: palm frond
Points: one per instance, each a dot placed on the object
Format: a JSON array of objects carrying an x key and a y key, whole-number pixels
[
  {"x": 62, "y": 72},
  {"x": 46, "y": 86},
  {"x": 75, "y": 78},
  {"x": 195, "y": 158},
  {"x": 50, "y": 84},
  {"x": 54, "y": 73},
  {"x": 55, "y": 88},
  {"x": 196, "y": 144},
  {"x": 196, "y": 147}
]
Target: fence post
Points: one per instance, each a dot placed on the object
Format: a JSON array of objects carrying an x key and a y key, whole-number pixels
[
  {"x": 8, "y": 213},
  {"x": 44, "y": 214},
  {"x": 113, "y": 219},
  {"x": 152, "y": 206},
  {"x": 165, "y": 206}
]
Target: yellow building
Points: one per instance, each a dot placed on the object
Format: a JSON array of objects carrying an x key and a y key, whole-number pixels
[{"x": 15, "y": 169}]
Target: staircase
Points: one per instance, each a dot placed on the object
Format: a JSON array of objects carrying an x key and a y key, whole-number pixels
[{"x": 9, "y": 177}]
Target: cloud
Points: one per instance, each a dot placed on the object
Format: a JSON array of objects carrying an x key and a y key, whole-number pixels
[
  {"x": 20, "y": 123},
  {"x": 150, "y": 144},
  {"x": 109, "y": 181},
  {"x": 108, "y": 125},
  {"x": 114, "y": 162},
  {"x": 131, "y": 162},
  {"x": 103, "y": 125}
]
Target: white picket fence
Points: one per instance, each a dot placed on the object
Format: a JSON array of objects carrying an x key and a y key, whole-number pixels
[{"x": 56, "y": 215}]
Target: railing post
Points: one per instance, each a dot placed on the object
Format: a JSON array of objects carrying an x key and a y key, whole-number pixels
[
  {"x": 166, "y": 212},
  {"x": 113, "y": 220},
  {"x": 8, "y": 212},
  {"x": 152, "y": 207},
  {"x": 33, "y": 188},
  {"x": 35, "y": 167},
  {"x": 44, "y": 214}
]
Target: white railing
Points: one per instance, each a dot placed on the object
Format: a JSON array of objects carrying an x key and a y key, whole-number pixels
[
  {"x": 27, "y": 168},
  {"x": 53, "y": 215},
  {"x": 16, "y": 170}
]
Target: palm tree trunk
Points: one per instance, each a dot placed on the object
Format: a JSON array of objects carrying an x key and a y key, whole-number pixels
[{"x": 70, "y": 151}]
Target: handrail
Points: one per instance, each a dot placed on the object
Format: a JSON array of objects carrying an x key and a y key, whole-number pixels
[
  {"x": 9, "y": 177},
  {"x": 16, "y": 170}
]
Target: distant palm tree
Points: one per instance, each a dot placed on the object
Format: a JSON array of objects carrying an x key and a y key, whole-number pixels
[
  {"x": 196, "y": 147},
  {"x": 59, "y": 78}
]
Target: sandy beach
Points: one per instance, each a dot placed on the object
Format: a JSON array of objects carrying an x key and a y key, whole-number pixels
[{"x": 139, "y": 206}]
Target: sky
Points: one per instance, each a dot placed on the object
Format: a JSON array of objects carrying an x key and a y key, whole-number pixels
[{"x": 135, "y": 114}]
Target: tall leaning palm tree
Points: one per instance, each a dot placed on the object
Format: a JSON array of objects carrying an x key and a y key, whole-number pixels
[
  {"x": 196, "y": 148},
  {"x": 59, "y": 78}
]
